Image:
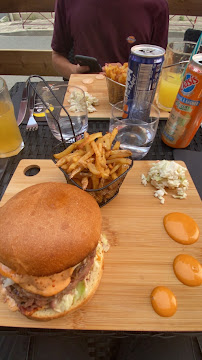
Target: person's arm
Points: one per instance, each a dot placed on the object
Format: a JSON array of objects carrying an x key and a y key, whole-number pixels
[
  {"x": 161, "y": 23},
  {"x": 63, "y": 66},
  {"x": 62, "y": 41}
]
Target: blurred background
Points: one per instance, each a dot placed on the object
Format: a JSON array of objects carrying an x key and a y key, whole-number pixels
[{"x": 34, "y": 31}]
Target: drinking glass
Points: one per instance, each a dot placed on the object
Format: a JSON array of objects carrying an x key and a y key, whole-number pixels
[
  {"x": 11, "y": 142},
  {"x": 171, "y": 77},
  {"x": 73, "y": 99},
  {"x": 138, "y": 130}
]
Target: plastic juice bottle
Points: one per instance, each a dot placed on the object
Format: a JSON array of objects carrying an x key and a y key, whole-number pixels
[
  {"x": 168, "y": 89},
  {"x": 186, "y": 115}
]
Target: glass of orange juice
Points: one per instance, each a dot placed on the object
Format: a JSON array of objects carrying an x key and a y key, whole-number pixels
[
  {"x": 171, "y": 77},
  {"x": 11, "y": 142}
]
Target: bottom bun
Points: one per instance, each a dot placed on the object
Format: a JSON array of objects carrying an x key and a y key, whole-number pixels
[{"x": 68, "y": 302}]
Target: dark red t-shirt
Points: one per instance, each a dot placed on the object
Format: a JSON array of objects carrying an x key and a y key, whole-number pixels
[{"x": 99, "y": 28}]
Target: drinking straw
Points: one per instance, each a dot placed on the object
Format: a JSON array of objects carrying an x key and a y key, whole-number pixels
[{"x": 195, "y": 50}]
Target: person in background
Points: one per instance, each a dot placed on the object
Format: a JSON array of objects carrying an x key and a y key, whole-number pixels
[{"x": 106, "y": 30}]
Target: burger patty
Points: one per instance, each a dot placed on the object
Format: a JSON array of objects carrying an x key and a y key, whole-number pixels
[{"x": 27, "y": 301}]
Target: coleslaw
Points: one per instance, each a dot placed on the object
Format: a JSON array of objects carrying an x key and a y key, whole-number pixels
[
  {"x": 76, "y": 105},
  {"x": 167, "y": 174}
]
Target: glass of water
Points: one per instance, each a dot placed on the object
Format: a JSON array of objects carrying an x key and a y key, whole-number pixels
[
  {"x": 73, "y": 99},
  {"x": 137, "y": 128}
]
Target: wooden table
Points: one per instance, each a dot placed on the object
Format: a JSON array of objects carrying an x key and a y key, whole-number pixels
[{"x": 39, "y": 145}]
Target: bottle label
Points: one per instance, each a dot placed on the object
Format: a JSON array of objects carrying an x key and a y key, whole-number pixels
[
  {"x": 188, "y": 84},
  {"x": 176, "y": 126}
]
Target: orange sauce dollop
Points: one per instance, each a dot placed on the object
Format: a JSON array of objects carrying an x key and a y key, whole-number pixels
[
  {"x": 188, "y": 270},
  {"x": 181, "y": 228},
  {"x": 163, "y": 301}
]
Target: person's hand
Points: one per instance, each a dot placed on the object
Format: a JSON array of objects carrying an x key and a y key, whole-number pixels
[{"x": 81, "y": 69}]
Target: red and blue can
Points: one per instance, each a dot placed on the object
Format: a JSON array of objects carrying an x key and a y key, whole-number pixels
[{"x": 144, "y": 67}]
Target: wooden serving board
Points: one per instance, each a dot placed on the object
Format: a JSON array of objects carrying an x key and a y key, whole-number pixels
[
  {"x": 99, "y": 89},
  {"x": 140, "y": 258}
]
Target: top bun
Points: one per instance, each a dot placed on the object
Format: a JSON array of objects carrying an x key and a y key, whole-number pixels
[{"x": 48, "y": 228}]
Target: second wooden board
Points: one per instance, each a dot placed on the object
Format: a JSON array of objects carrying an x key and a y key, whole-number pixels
[{"x": 97, "y": 88}]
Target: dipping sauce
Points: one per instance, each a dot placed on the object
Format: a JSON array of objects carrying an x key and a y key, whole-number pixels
[
  {"x": 181, "y": 228},
  {"x": 163, "y": 301},
  {"x": 188, "y": 270}
]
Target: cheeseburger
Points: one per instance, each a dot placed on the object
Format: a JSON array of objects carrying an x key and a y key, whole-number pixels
[{"x": 51, "y": 252}]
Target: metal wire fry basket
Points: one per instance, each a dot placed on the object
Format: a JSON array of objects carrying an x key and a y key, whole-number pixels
[
  {"x": 104, "y": 194},
  {"x": 115, "y": 91}
]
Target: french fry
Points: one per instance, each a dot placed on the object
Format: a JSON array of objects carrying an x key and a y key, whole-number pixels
[
  {"x": 75, "y": 171},
  {"x": 72, "y": 167},
  {"x": 100, "y": 148},
  {"x": 120, "y": 161},
  {"x": 75, "y": 159},
  {"x": 84, "y": 182},
  {"x": 96, "y": 150},
  {"x": 89, "y": 139},
  {"x": 119, "y": 154},
  {"x": 82, "y": 174},
  {"x": 103, "y": 138},
  {"x": 114, "y": 176},
  {"x": 69, "y": 149},
  {"x": 107, "y": 154},
  {"x": 104, "y": 172},
  {"x": 117, "y": 72},
  {"x": 101, "y": 183},
  {"x": 61, "y": 161},
  {"x": 113, "y": 135},
  {"x": 94, "y": 163},
  {"x": 104, "y": 164},
  {"x": 87, "y": 146},
  {"x": 115, "y": 168},
  {"x": 116, "y": 145},
  {"x": 100, "y": 160},
  {"x": 93, "y": 169},
  {"x": 102, "y": 155},
  {"x": 64, "y": 167},
  {"x": 122, "y": 169},
  {"x": 71, "y": 155},
  {"x": 86, "y": 156},
  {"x": 107, "y": 144},
  {"x": 95, "y": 181}
]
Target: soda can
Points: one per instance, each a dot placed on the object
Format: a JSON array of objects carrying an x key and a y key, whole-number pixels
[
  {"x": 186, "y": 114},
  {"x": 144, "y": 67}
]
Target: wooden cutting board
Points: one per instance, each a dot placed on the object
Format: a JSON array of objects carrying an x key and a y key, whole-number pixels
[
  {"x": 140, "y": 258},
  {"x": 99, "y": 89}
]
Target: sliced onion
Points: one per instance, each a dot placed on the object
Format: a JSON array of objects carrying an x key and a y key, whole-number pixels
[{"x": 8, "y": 282}]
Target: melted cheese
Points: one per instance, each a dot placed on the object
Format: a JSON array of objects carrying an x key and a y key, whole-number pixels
[{"x": 45, "y": 285}]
